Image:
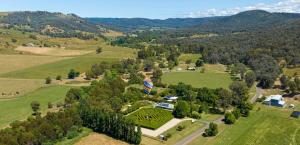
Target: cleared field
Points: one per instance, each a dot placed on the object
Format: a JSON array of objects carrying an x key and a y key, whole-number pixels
[
  {"x": 267, "y": 126},
  {"x": 11, "y": 88},
  {"x": 193, "y": 57},
  {"x": 19, "y": 109},
  {"x": 48, "y": 51},
  {"x": 292, "y": 71},
  {"x": 151, "y": 118},
  {"x": 80, "y": 63},
  {"x": 213, "y": 77},
  {"x": 99, "y": 139},
  {"x": 10, "y": 63}
]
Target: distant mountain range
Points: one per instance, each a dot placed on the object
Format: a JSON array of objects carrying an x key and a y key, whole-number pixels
[
  {"x": 244, "y": 21},
  {"x": 57, "y": 22}
]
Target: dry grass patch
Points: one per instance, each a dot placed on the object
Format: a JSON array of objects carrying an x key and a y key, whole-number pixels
[
  {"x": 52, "y": 51},
  {"x": 10, "y": 63},
  {"x": 12, "y": 88},
  {"x": 99, "y": 139}
]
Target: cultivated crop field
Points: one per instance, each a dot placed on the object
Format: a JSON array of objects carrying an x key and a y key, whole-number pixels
[
  {"x": 151, "y": 118},
  {"x": 19, "y": 109},
  {"x": 265, "y": 126},
  {"x": 213, "y": 77}
]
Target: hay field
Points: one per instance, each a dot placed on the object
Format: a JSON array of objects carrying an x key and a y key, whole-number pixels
[
  {"x": 9, "y": 63},
  {"x": 52, "y": 51}
]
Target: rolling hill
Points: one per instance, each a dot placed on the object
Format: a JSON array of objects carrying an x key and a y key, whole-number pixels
[
  {"x": 244, "y": 21},
  {"x": 46, "y": 22}
]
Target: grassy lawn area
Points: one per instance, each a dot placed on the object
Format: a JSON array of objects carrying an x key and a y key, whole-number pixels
[
  {"x": 19, "y": 109},
  {"x": 193, "y": 57},
  {"x": 175, "y": 134},
  {"x": 11, "y": 88},
  {"x": 291, "y": 71},
  {"x": 213, "y": 77},
  {"x": 151, "y": 118},
  {"x": 267, "y": 126},
  {"x": 85, "y": 132}
]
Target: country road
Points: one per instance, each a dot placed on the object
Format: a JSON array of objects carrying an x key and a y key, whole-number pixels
[{"x": 200, "y": 131}]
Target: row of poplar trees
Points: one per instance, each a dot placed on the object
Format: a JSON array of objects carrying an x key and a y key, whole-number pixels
[{"x": 110, "y": 123}]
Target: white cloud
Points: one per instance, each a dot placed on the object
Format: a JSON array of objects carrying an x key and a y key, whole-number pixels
[{"x": 289, "y": 6}]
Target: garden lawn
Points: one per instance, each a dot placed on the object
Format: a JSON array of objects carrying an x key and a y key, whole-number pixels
[
  {"x": 151, "y": 118},
  {"x": 19, "y": 109},
  {"x": 213, "y": 77},
  {"x": 267, "y": 126}
]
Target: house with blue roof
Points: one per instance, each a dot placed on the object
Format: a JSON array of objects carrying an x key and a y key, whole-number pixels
[{"x": 275, "y": 100}]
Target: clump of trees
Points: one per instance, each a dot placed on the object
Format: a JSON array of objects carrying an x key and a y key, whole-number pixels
[
  {"x": 110, "y": 123},
  {"x": 212, "y": 130},
  {"x": 290, "y": 84},
  {"x": 73, "y": 74},
  {"x": 42, "y": 130}
]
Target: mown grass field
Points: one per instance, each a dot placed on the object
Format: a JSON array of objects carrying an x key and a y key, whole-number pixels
[
  {"x": 213, "y": 77},
  {"x": 151, "y": 118},
  {"x": 11, "y": 88},
  {"x": 9, "y": 63},
  {"x": 267, "y": 126},
  {"x": 19, "y": 109},
  {"x": 80, "y": 63}
]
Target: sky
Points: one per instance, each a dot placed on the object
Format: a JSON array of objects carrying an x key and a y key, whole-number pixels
[{"x": 154, "y": 9}]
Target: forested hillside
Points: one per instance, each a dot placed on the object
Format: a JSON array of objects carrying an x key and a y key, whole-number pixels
[
  {"x": 133, "y": 24},
  {"x": 245, "y": 21},
  {"x": 49, "y": 23}
]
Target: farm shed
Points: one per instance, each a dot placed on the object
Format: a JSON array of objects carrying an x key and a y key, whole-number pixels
[{"x": 275, "y": 100}]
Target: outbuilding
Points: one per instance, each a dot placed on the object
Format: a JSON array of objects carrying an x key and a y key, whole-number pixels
[
  {"x": 275, "y": 100},
  {"x": 295, "y": 114},
  {"x": 171, "y": 98}
]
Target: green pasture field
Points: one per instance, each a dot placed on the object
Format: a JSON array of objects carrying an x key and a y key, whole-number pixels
[
  {"x": 9, "y": 63},
  {"x": 213, "y": 77},
  {"x": 80, "y": 63},
  {"x": 264, "y": 126},
  {"x": 19, "y": 109},
  {"x": 193, "y": 57},
  {"x": 151, "y": 118}
]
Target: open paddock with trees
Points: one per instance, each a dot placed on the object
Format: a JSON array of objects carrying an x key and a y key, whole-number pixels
[
  {"x": 214, "y": 76},
  {"x": 151, "y": 118},
  {"x": 265, "y": 126},
  {"x": 19, "y": 108}
]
